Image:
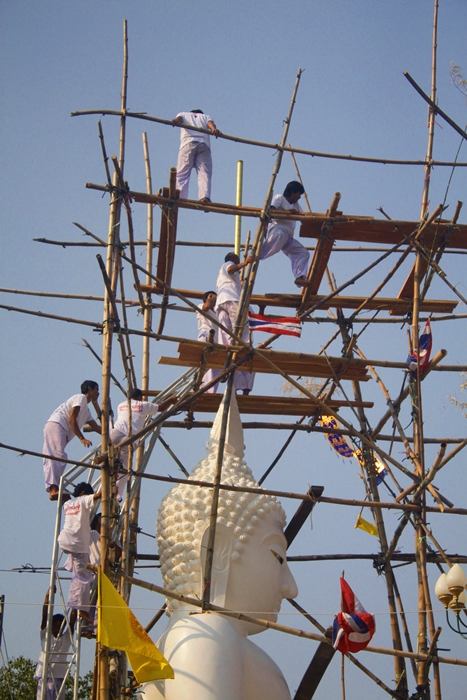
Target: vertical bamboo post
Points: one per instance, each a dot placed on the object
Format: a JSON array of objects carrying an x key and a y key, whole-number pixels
[
  {"x": 112, "y": 268},
  {"x": 248, "y": 287},
  {"x": 215, "y": 494},
  {"x": 238, "y": 202},
  {"x": 147, "y": 316},
  {"x": 103, "y": 685},
  {"x": 372, "y": 488},
  {"x": 424, "y": 599}
]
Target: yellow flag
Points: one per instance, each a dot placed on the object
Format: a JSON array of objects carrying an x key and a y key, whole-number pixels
[
  {"x": 366, "y": 526},
  {"x": 118, "y": 628}
]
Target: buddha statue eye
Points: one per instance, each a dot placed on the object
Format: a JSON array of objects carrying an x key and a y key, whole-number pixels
[{"x": 278, "y": 557}]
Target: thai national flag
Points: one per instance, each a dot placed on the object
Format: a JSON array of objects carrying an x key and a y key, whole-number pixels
[
  {"x": 277, "y": 325},
  {"x": 424, "y": 351},
  {"x": 353, "y": 627}
]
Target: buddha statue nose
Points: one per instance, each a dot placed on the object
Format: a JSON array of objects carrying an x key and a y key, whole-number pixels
[{"x": 289, "y": 587}]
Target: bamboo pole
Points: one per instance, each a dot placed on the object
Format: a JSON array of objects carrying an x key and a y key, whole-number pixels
[
  {"x": 247, "y": 287},
  {"x": 265, "y": 144},
  {"x": 238, "y": 203},
  {"x": 112, "y": 268},
  {"x": 424, "y": 602},
  {"x": 281, "y": 494},
  {"x": 107, "y": 325},
  {"x": 440, "y": 355},
  {"x": 267, "y": 624},
  {"x": 215, "y": 495}
]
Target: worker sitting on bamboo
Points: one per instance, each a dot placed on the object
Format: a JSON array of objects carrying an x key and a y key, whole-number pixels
[
  {"x": 280, "y": 233},
  {"x": 64, "y": 423},
  {"x": 207, "y": 332},
  {"x": 229, "y": 288}
]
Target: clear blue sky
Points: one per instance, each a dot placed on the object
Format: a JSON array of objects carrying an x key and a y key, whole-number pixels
[{"x": 236, "y": 61}]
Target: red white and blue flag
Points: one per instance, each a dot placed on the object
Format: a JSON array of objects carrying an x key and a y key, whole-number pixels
[
  {"x": 353, "y": 627},
  {"x": 277, "y": 325},
  {"x": 424, "y": 351}
]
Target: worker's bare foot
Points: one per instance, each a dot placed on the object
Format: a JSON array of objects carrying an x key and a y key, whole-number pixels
[
  {"x": 246, "y": 392},
  {"x": 301, "y": 281},
  {"x": 205, "y": 200}
]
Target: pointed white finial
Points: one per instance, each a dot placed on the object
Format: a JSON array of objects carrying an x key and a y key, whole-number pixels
[{"x": 234, "y": 433}]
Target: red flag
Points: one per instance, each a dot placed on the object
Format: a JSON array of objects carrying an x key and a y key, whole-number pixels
[{"x": 353, "y": 627}]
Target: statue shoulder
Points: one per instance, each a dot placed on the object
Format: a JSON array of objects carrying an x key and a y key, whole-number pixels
[{"x": 212, "y": 638}]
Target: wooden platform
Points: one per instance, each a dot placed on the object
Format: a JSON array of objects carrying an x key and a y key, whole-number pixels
[
  {"x": 269, "y": 405},
  {"x": 297, "y": 364}
]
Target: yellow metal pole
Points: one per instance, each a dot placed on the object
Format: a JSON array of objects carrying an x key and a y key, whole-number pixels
[{"x": 238, "y": 202}]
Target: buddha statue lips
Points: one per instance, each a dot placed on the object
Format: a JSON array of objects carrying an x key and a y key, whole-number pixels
[{"x": 249, "y": 575}]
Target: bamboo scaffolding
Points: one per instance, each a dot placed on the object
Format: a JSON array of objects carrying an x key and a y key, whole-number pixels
[{"x": 414, "y": 510}]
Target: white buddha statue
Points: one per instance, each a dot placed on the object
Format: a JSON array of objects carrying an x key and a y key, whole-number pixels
[{"x": 211, "y": 654}]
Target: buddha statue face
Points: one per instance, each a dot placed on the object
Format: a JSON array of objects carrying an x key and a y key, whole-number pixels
[{"x": 259, "y": 579}]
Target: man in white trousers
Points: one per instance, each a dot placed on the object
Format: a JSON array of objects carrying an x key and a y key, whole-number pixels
[
  {"x": 280, "y": 233},
  {"x": 207, "y": 332},
  {"x": 124, "y": 427},
  {"x": 229, "y": 288},
  {"x": 195, "y": 152},
  {"x": 64, "y": 423},
  {"x": 75, "y": 539}
]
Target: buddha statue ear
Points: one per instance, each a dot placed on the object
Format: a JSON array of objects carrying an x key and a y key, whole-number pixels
[{"x": 221, "y": 562}]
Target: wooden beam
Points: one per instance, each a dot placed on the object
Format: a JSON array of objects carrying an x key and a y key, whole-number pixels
[
  {"x": 292, "y": 301},
  {"x": 301, "y": 514},
  {"x": 382, "y": 231},
  {"x": 316, "y": 670},
  {"x": 167, "y": 238},
  {"x": 321, "y": 255},
  {"x": 347, "y": 228},
  {"x": 267, "y": 405},
  {"x": 194, "y": 354}
]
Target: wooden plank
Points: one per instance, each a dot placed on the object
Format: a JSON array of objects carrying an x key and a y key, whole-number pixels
[
  {"x": 316, "y": 670},
  {"x": 267, "y": 405},
  {"x": 385, "y": 232},
  {"x": 298, "y": 519},
  {"x": 292, "y": 301},
  {"x": 167, "y": 239},
  {"x": 321, "y": 254},
  {"x": 292, "y": 363}
]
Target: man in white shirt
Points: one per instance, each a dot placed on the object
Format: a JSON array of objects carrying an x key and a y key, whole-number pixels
[
  {"x": 75, "y": 539},
  {"x": 195, "y": 152},
  {"x": 65, "y": 422},
  {"x": 140, "y": 410},
  {"x": 280, "y": 233},
  {"x": 207, "y": 332},
  {"x": 228, "y": 296},
  {"x": 60, "y": 644}
]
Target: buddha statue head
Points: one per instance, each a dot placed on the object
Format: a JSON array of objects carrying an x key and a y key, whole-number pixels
[{"x": 250, "y": 572}]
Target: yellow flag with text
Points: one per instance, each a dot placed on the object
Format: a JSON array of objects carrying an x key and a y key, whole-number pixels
[
  {"x": 118, "y": 628},
  {"x": 366, "y": 526}
]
